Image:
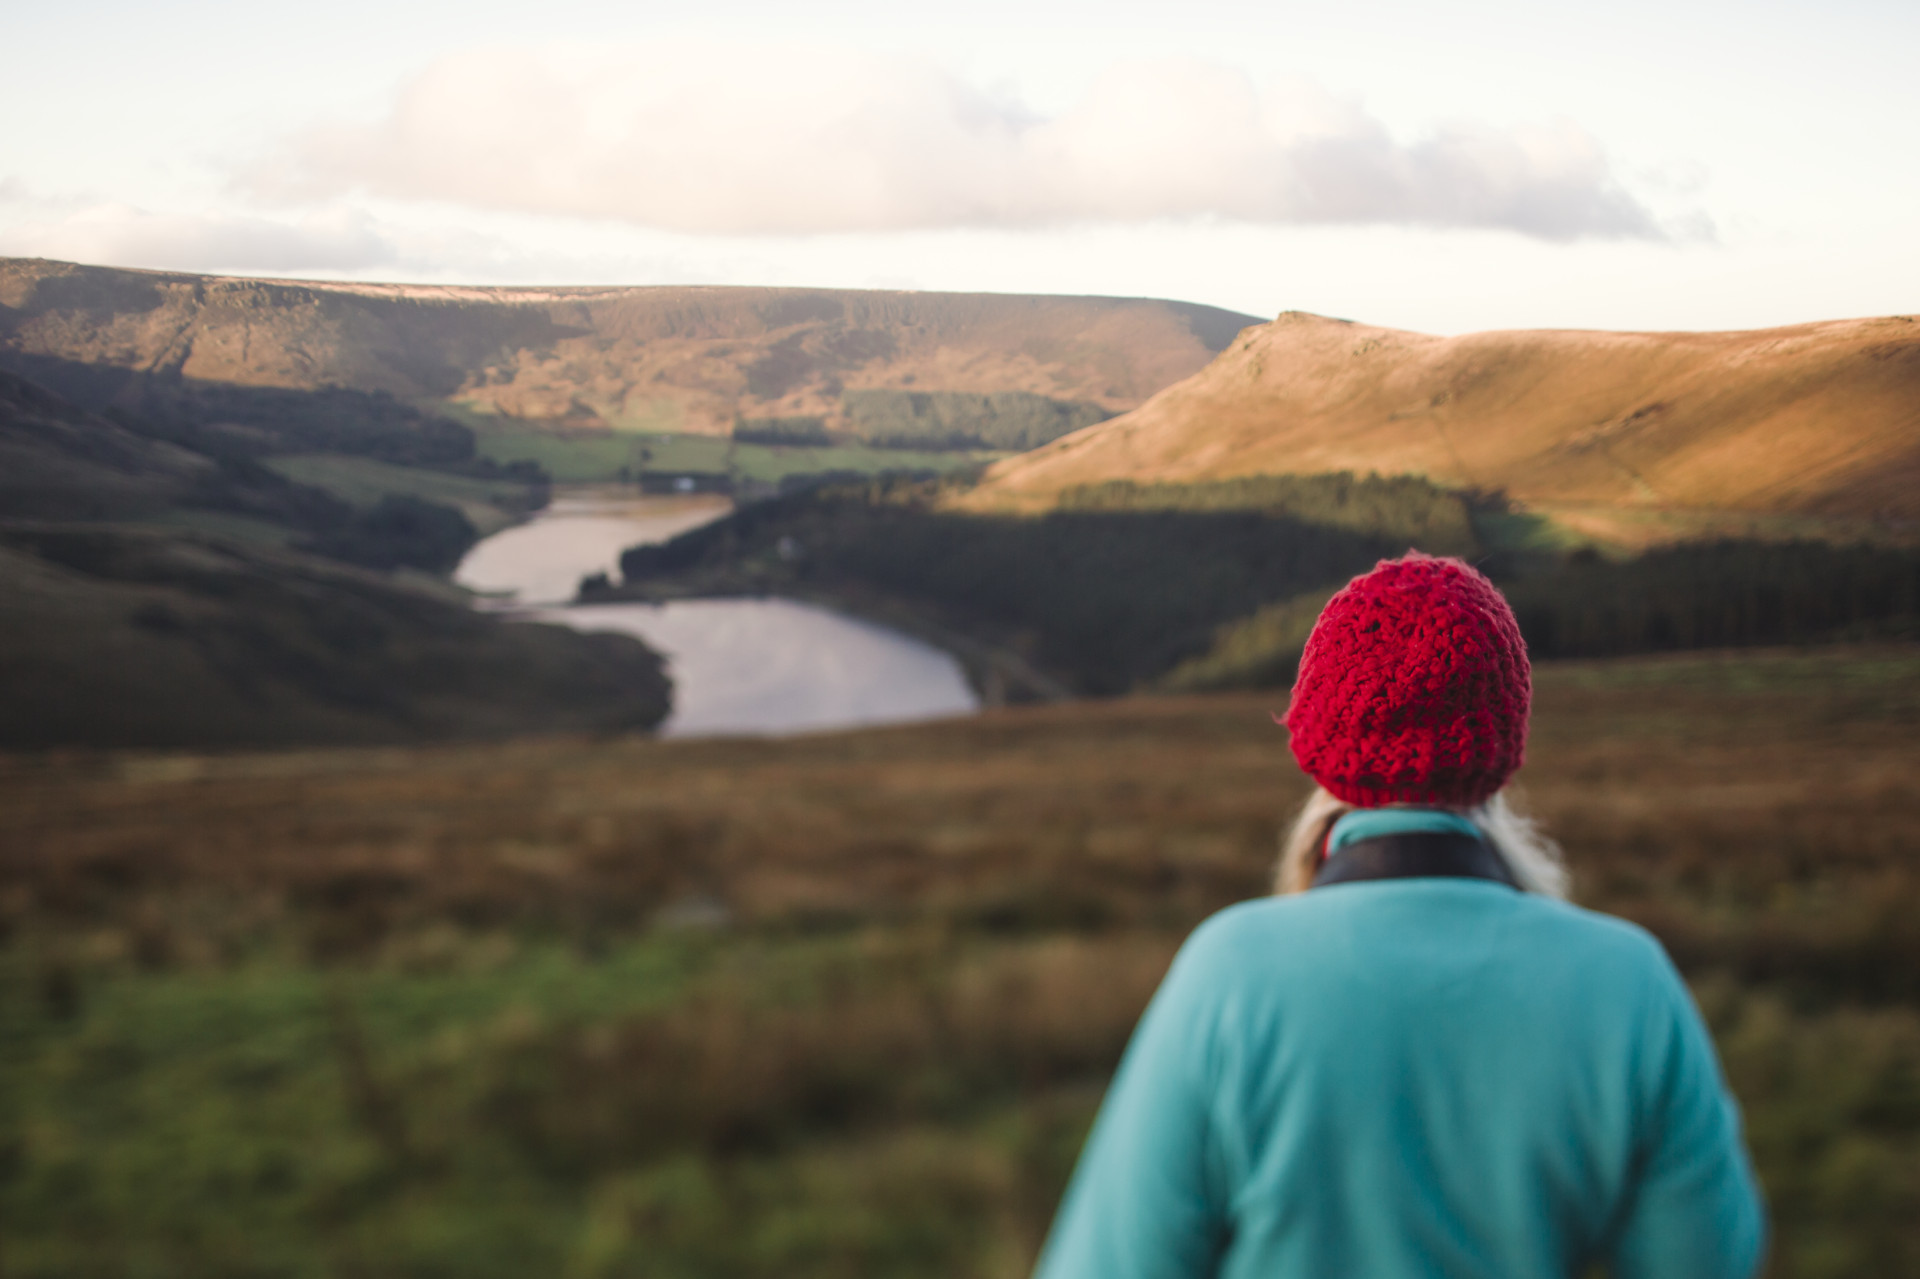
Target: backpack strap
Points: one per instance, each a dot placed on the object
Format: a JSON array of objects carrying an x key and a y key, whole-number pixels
[{"x": 1415, "y": 855}]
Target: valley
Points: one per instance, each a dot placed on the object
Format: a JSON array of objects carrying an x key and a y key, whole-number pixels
[
  {"x": 200, "y": 470},
  {"x": 588, "y": 381},
  {"x": 348, "y": 928}
]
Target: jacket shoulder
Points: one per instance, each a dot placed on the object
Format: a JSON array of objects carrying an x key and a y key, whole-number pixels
[{"x": 1302, "y": 923}]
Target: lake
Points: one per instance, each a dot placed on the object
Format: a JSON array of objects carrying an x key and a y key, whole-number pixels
[{"x": 739, "y": 666}]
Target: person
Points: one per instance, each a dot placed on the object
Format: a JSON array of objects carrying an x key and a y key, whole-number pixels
[{"x": 1415, "y": 1059}]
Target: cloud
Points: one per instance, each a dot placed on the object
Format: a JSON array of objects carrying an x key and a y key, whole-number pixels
[
  {"x": 796, "y": 141},
  {"x": 114, "y": 234}
]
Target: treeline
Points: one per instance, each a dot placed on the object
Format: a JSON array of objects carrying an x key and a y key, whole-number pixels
[
  {"x": 1216, "y": 585},
  {"x": 1401, "y": 507},
  {"x": 1261, "y": 650},
  {"x": 792, "y": 432},
  {"x": 1007, "y": 421},
  {"x": 1708, "y": 595},
  {"x": 399, "y": 531},
  {"x": 929, "y": 421},
  {"x": 1101, "y": 601},
  {"x": 1718, "y": 595}
]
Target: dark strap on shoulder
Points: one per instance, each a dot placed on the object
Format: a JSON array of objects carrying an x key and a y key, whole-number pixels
[{"x": 1415, "y": 855}]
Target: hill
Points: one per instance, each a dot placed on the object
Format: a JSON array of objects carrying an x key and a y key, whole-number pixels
[
  {"x": 59, "y": 462},
  {"x": 1633, "y": 436},
  {"x": 122, "y": 637},
  {"x": 656, "y": 359},
  {"x": 152, "y": 594}
]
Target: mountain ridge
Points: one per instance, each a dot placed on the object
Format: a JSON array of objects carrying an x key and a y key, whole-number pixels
[
  {"x": 1814, "y": 420},
  {"x": 669, "y": 358}
]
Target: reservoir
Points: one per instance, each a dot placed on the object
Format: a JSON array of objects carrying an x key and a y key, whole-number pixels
[{"x": 763, "y": 666}]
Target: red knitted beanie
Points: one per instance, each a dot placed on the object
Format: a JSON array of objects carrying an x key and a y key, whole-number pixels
[{"x": 1414, "y": 688}]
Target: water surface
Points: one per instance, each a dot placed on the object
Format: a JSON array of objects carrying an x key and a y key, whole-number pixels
[
  {"x": 738, "y": 665},
  {"x": 581, "y": 532}
]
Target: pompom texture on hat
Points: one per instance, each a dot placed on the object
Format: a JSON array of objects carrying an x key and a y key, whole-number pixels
[{"x": 1414, "y": 688}]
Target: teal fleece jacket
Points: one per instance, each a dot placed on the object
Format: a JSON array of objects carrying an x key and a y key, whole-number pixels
[{"x": 1414, "y": 1077}]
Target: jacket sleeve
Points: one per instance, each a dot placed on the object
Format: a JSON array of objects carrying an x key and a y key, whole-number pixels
[
  {"x": 1695, "y": 1210},
  {"x": 1145, "y": 1200}
]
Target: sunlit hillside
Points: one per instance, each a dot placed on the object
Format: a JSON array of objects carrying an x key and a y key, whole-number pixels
[
  {"x": 656, "y": 359},
  {"x": 1634, "y": 436}
]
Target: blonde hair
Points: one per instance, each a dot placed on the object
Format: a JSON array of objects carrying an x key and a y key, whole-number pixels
[{"x": 1535, "y": 860}]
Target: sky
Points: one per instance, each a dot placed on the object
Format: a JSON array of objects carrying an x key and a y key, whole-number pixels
[{"x": 1485, "y": 164}]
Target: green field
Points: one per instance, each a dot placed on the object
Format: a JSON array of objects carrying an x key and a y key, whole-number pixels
[
  {"x": 606, "y": 457},
  {"x": 843, "y": 1005},
  {"x": 489, "y": 505}
]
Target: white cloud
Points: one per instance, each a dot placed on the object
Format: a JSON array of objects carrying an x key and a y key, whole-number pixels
[
  {"x": 712, "y": 140},
  {"x": 115, "y": 234}
]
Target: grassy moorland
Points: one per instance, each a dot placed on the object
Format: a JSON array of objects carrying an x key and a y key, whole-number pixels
[
  {"x": 843, "y": 1005},
  {"x": 1637, "y": 438}
]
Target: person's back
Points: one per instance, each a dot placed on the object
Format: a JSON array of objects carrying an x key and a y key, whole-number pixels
[
  {"x": 1413, "y": 1077},
  {"x": 1416, "y": 1061}
]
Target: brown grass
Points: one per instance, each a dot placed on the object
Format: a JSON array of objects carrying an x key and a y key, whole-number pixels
[
  {"x": 1744, "y": 806},
  {"x": 1815, "y": 420},
  {"x": 841, "y": 1005}
]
